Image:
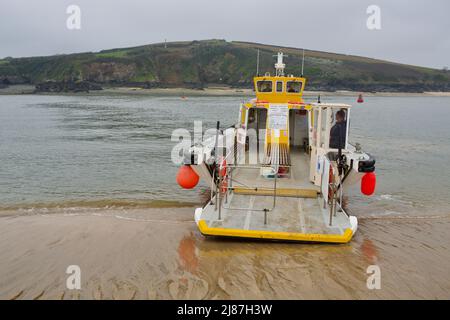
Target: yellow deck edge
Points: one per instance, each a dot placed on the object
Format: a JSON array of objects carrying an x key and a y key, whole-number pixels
[
  {"x": 275, "y": 235},
  {"x": 282, "y": 192}
]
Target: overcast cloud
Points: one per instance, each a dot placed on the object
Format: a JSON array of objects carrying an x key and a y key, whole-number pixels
[{"x": 412, "y": 32}]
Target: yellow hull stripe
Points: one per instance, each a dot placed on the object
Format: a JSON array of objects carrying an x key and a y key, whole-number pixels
[{"x": 275, "y": 235}]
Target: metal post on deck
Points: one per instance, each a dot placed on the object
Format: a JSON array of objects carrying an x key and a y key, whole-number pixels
[
  {"x": 275, "y": 189},
  {"x": 257, "y": 132},
  {"x": 215, "y": 185},
  {"x": 219, "y": 198},
  {"x": 231, "y": 181},
  {"x": 216, "y": 144},
  {"x": 333, "y": 204},
  {"x": 226, "y": 189},
  {"x": 212, "y": 188},
  {"x": 331, "y": 211},
  {"x": 341, "y": 194},
  {"x": 235, "y": 148}
]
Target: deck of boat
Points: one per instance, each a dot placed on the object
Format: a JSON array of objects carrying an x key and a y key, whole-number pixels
[
  {"x": 298, "y": 178},
  {"x": 298, "y": 208},
  {"x": 295, "y": 215}
]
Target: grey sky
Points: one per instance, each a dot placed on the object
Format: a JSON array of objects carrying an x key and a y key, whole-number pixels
[{"x": 413, "y": 32}]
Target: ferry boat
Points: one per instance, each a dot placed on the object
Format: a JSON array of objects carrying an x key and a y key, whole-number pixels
[{"x": 280, "y": 173}]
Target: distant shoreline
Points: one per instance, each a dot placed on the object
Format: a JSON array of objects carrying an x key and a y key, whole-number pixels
[{"x": 209, "y": 91}]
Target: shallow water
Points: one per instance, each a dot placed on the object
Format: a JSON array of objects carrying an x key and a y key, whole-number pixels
[{"x": 70, "y": 151}]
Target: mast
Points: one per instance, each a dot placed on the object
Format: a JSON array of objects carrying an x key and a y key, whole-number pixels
[
  {"x": 257, "y": 64},
  {"x": 303, "y": 61},
  {"x": 279, "y": 66}
]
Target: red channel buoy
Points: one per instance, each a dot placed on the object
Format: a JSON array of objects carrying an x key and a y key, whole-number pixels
[
  {"x": 186, "y": 177},
  {"x": 368, "y": 183},
  {"x": 360, "y": 99}
]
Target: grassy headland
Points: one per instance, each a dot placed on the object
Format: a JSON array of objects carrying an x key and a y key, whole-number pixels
[{"x": 200, "y": 64}]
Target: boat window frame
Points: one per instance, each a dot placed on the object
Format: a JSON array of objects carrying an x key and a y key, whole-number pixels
[
  {"x": 332, "y": 122},
  {"x": 295, "y": 81},
  {"x": 282, "y": 86},
  {"x": 258, "y": 86}
]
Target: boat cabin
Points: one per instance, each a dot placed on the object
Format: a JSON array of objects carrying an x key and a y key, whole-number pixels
[
  {"x": 283, "y": 125},
  {"x": 276, "y": 89}
]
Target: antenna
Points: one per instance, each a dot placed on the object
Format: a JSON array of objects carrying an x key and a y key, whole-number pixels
[
  {"x": 279, "y": 66},
  {"x": 303, "y": 61},
  {"x": 257, "y": 64}
]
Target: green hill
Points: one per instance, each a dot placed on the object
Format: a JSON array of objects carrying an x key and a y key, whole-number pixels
[{"x": 199, "y": 64}]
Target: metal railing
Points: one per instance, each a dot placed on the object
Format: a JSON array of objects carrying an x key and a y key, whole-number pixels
[
  {"x": 337, "y": 193},
  {"x": 224, "y": 184}
]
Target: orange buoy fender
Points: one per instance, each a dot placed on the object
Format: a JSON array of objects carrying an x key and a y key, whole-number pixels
[
  {"x": 368, "y": 183},
  {"x": 186, "y": 177}
]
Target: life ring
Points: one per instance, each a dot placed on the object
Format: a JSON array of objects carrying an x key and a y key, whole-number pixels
[
  {"x": 223, "y": 168},
  {"x": 223, "y": 176},
  {"x": 330, "y": 181},
  {"x": 224, "y": 186}
]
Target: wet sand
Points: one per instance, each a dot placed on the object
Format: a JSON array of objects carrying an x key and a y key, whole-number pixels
[{"x": 157, "y": 253}]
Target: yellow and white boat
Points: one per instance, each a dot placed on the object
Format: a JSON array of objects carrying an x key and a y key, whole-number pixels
[{"x": 281, "y": 171}]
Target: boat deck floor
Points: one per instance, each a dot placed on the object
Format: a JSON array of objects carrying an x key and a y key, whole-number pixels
[
  {"x": 293, "y": 212},
  {"x": 290, "y": 214},
  {"x": 298, "y": 178}
]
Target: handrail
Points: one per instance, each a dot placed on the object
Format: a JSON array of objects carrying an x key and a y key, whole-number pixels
[
  {"x": 335, "y": 188},
  {"x": 217, "y": 181},
  {"x": 227, "y": 188}
]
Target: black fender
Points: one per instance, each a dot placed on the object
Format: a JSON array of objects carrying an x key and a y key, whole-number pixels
[{"x": 367, "y": 165}]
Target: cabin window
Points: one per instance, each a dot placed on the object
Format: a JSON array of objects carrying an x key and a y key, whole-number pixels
[
  {"x": 264, "y": 86},
  {"x": 338, "y": 129},
  {"x": 279, "y": 86},
  {"x": 294, "y": 86}
]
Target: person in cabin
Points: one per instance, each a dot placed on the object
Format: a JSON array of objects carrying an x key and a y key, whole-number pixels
[
  {"x": 291, "y": 89},
  {"x": 338, "y": 131},
  {"x": 267, "y": 87}
]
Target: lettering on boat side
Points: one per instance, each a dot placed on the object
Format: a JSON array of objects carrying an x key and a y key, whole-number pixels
[
  {"x": 73, "y": 21},
  {"x": 226, "y": 310},
  {"x": 374, "y": 20},
  {"x": 73, "y": 281},
  {"x": 374, "y": 279}
]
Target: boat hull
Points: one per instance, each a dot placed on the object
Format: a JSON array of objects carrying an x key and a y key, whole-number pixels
[{"x": 224, "y": 227}]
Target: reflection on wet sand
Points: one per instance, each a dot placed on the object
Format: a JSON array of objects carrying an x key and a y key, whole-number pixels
[
  {"x": 159, "y": 254},
  {"x": 369, "y": 251}
]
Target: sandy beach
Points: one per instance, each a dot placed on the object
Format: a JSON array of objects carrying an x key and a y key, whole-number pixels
[{"x": 157, "y": 253}]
